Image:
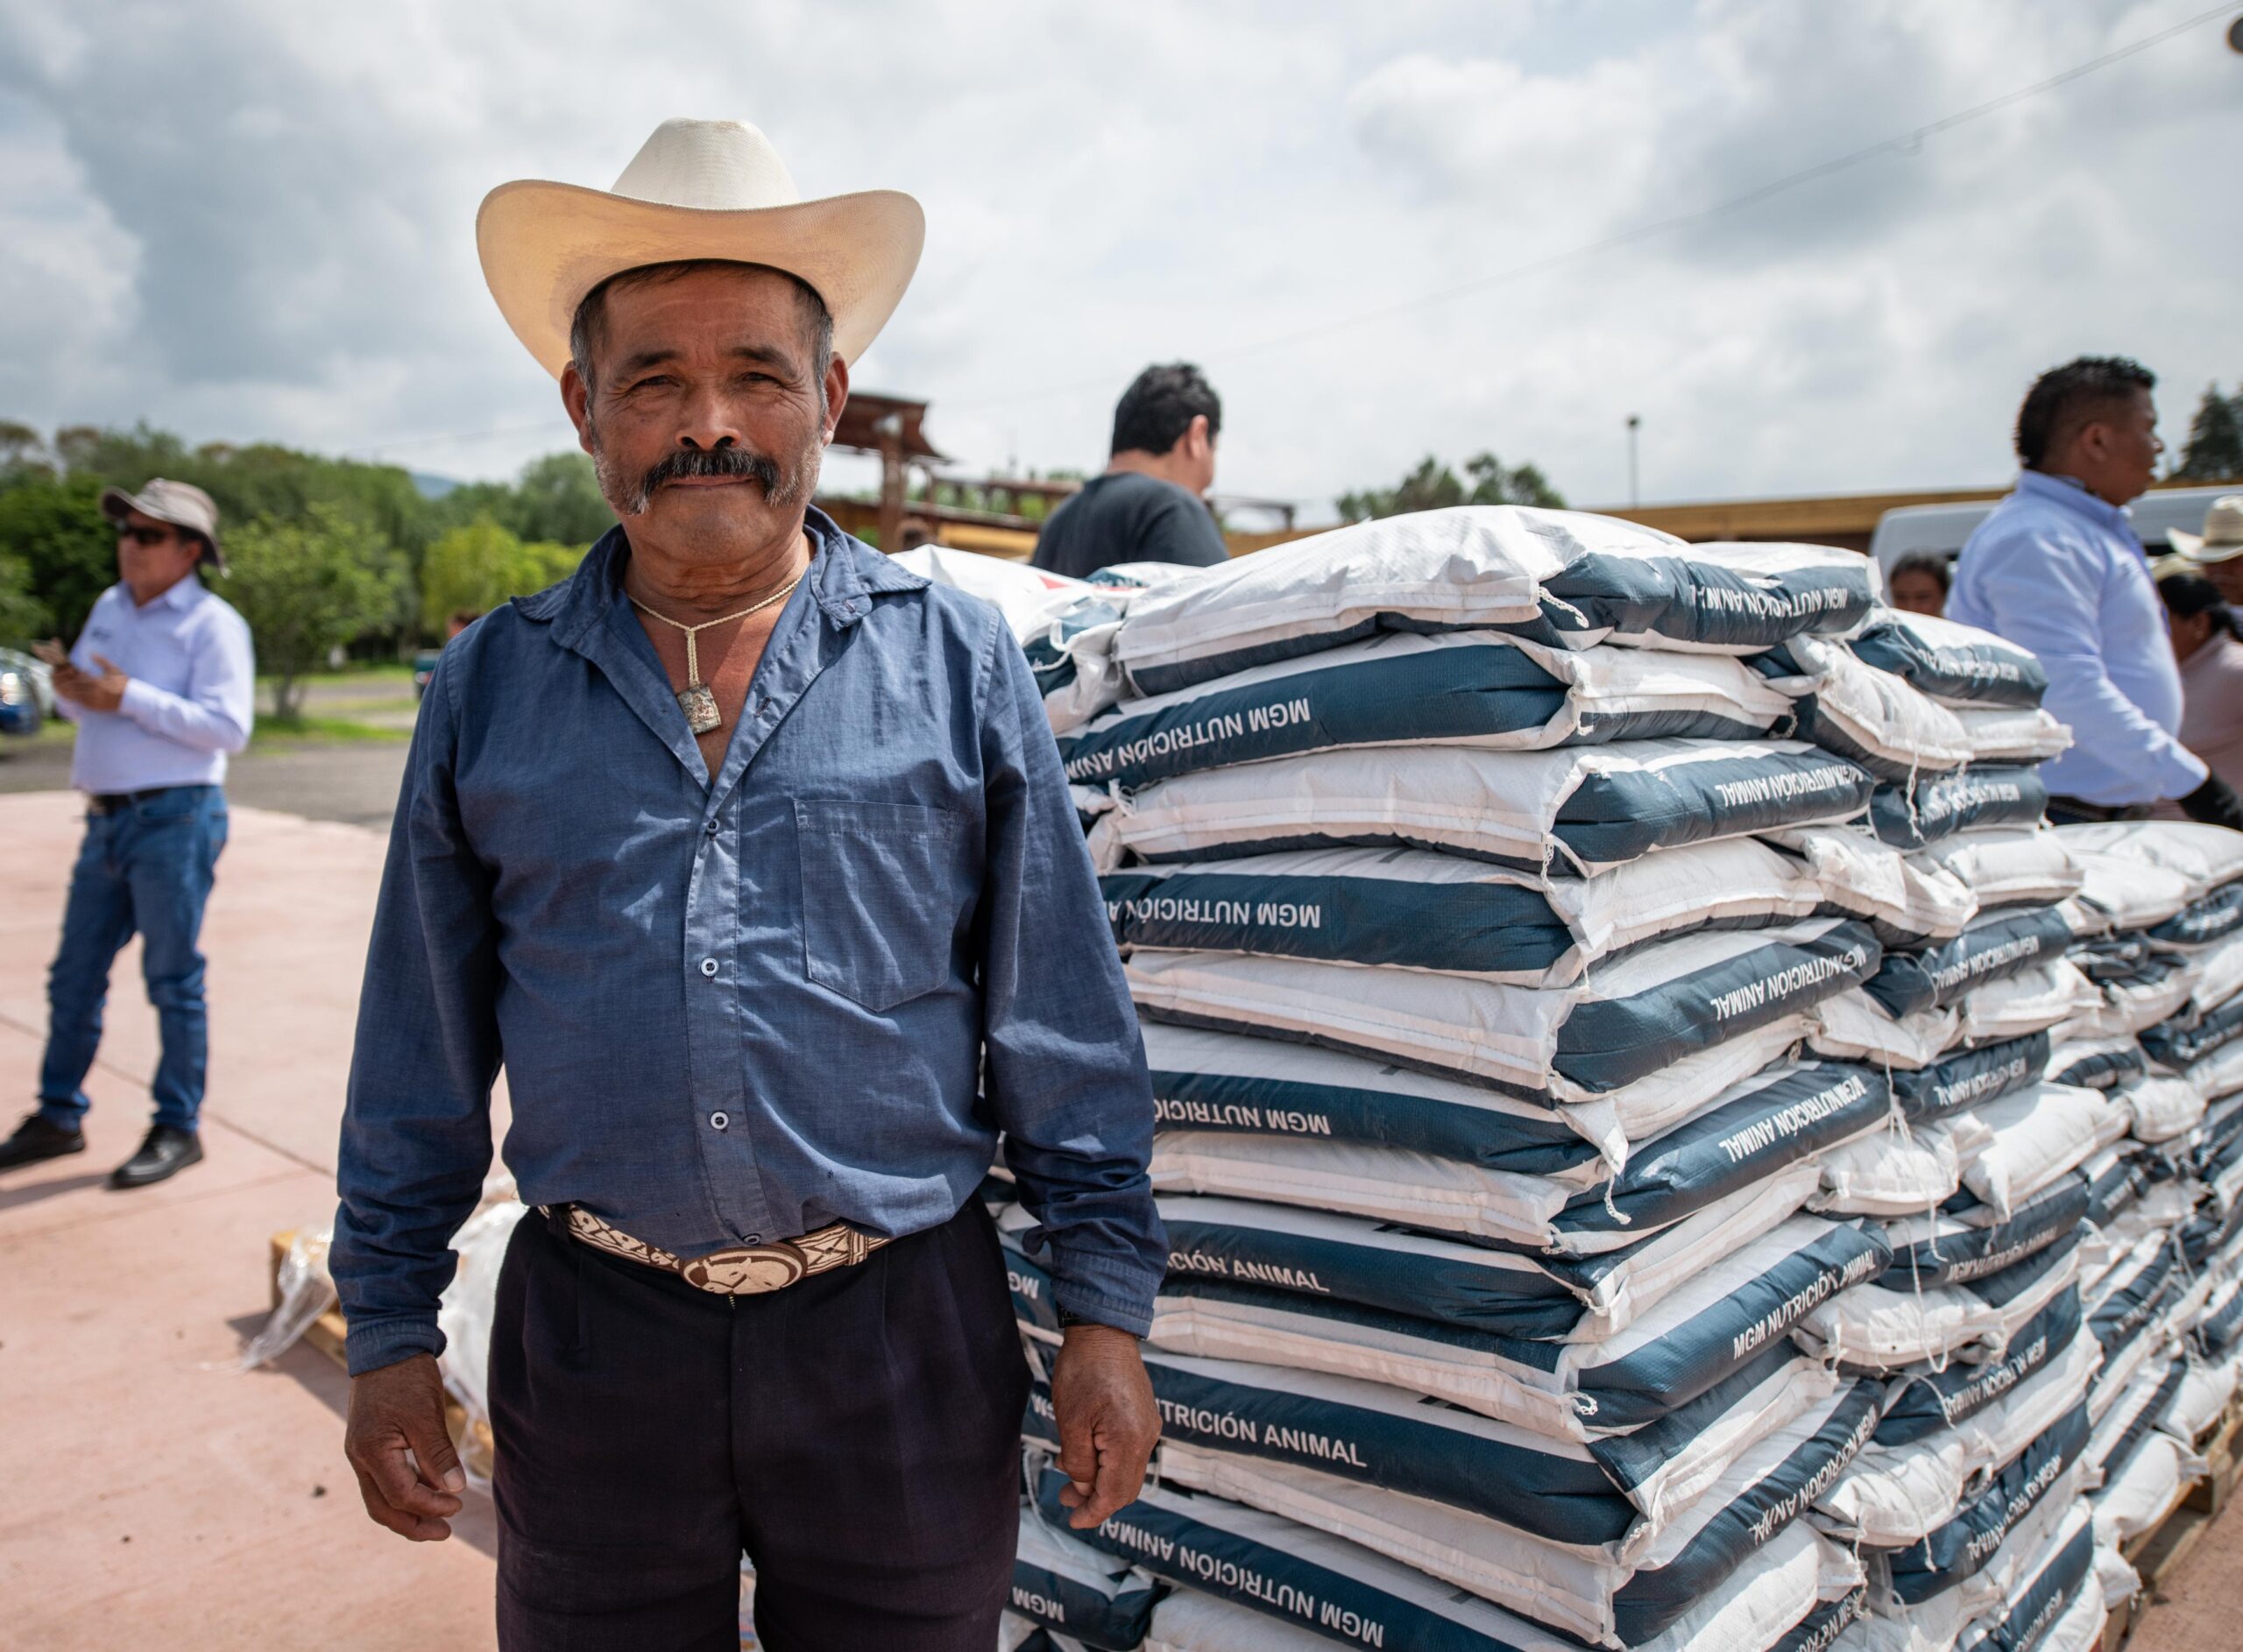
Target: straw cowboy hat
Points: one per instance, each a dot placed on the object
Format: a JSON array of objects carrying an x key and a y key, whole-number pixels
[
  {"x": 2222, "y": 539},
  {"x": 696, "y": 189}
]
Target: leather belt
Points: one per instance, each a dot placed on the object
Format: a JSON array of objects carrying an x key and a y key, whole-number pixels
[
  {"x": 742, "y": 1270},
  {"x": 117, "y": 803}
]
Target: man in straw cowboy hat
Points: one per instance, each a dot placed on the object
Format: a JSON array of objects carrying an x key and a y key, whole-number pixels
[
  {"x": 2217, "y": 551},
  {"x": 747, "y": 854},
  {"x": 162, "y": 687}
]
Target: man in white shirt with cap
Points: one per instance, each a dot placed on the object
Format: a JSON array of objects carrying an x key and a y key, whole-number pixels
[{"x": 162, "y": 687}]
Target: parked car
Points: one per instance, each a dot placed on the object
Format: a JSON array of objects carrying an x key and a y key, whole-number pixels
[
  {"x": 1939, "y": 530},
  {"x": 27, "y": 693}
]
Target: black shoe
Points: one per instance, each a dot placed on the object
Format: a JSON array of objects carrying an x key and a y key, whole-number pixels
[
  {"x": 166, "y": 1152},
  {"x": 37, "y": 1138}
]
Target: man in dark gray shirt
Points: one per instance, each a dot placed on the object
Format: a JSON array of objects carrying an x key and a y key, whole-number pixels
[{"x": 1150, "y": 506}]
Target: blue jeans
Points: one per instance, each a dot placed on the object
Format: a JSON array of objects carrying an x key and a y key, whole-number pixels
[{"x": 148, "y": 867}]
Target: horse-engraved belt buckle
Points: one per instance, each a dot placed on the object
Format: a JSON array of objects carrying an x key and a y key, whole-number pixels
[{"x": 746, "y": 1270}]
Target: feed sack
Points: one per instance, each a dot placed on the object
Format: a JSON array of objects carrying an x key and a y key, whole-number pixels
[
  {"x": 1380, "y": 1265},
  {"x": 1410, "y": 909},
  {"x": 1639, "y": 1018},
  {"x": 1753, "y": 1131},
  {"x": 1579, "y": 811},
  {"x": 1562, "y": 578},
  {"x": 1710, "y": 1327},
  {"x": 1593, "y": 1598},
  {"x": 2040, "y": 1474},
  {"x": 1938, "y": 807},
  {"x": 1957, "y": 664},
  {"x": 1969, "y": 1077},
  {"x": 2048, "y": 1354},
  {"x": 1349, "y": 1594},
  {"x": 1992, "y": 947},
  {"x": 1083, "y": 1593},
  {"x": 1476, "y": 690},
  {"x": 2008, "y": 865},
  {"x": 1612, "y": 1494}
]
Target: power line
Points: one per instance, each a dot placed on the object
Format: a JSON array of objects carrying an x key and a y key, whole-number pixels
[{"x": 1904, "y": 143}]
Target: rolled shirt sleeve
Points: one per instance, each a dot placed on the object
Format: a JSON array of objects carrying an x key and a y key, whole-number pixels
[
  {"x": 2044, "y": 593},
  {"x": 416, "y": 1125},
  {"x": 1065, "y": 1065}
]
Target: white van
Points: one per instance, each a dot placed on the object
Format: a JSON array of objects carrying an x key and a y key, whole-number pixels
[{"x": 1939, "y": 530}]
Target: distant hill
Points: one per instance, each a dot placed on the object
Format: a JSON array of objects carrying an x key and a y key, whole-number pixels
[{"x": 432, "y": 487}]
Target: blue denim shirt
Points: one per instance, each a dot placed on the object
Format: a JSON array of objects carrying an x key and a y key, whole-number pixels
[
  {"x": 2060, "y": 572},
  {"x": 814, "y": 989}
]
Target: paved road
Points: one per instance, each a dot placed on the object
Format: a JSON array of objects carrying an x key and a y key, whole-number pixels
[{"x": 354, "y": 782}]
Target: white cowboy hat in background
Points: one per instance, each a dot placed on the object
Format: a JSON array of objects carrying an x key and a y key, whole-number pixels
[
  {"x": 696, "y": 189},
  {"x": 2222, "y": 539}
]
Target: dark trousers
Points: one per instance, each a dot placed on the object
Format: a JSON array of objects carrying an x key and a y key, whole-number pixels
[
  {"x": 144, "y": 867},
  {"x": 856, "y": 1434}
]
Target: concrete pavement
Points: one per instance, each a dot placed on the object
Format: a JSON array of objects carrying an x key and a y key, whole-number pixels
[{"x": 155, "y": 1496}]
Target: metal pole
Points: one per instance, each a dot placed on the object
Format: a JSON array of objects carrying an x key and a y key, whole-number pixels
[{"x": 1635, "y": 421}]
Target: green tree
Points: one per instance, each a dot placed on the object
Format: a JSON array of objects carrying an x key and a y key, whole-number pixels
[
  {"x": 23, "y": 616},
  {"x": 1433, "y": 486},
  {"x": 22, "y": 451},
  {"x": 557, "y": 500},
  {"x": 53, "y": 525},
  {"x": 480, "y": 565},
  {"x": 307, "y": 587},
  {"x": 2214, "y": 450}
]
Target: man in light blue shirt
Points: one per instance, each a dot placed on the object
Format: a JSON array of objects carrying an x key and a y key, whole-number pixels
[
  {"x": 161, "y": 686},
  {"x": 2058, "y": 568}
]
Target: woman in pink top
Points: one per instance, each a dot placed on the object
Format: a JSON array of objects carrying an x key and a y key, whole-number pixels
[{"x": 2210, "y": 656}]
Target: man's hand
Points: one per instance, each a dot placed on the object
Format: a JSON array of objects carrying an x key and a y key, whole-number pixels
[
  {"x": 104, "y": 693},
  {"x": 1103, "y": 1401},
  {"x": 409, "y": 1474}
]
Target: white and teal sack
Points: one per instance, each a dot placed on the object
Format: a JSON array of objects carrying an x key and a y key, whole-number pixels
[{"x": 1563, "y": 578}]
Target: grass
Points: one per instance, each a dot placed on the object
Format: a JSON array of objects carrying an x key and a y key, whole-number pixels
[{"x": 301, "y": 731}]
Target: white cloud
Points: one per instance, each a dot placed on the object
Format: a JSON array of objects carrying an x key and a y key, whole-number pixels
[{"x": 256, "y": 220}]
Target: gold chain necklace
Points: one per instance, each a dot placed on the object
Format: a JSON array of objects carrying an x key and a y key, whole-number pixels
[{"x": 697, "y": 699}]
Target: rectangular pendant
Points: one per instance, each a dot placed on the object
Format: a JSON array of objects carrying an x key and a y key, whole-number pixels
[{"x": 699, "y": 704}]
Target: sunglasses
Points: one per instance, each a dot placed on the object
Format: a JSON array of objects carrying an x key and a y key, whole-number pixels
[{"x": 145, "y": 536}]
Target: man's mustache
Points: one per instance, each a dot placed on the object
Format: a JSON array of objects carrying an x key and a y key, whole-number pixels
[{"x": 712, "y": 462}]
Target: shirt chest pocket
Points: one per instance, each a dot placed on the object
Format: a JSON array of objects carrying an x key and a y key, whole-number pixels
[{"x": 882, "y": 885}]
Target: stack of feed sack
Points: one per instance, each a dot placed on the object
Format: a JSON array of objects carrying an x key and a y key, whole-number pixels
[
  {"x": 1478, "y": 902},
  {"x": 1965, "y": 1506}
]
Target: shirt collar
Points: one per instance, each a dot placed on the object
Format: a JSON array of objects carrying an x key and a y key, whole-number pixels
[
  {"x": 845, "y": 575},
  {"x": 179, "y": 596},
  {"x": 2072, "y": 494}
]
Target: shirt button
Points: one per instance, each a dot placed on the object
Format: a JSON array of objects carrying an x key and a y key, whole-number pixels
[
  {"x": 719, "y": 1120},
  {"x": 711, "y": 829},
  {"x": 709, "y": 966}
]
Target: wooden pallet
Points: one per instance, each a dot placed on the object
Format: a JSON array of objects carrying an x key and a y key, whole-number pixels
[
  {"x": 328, "y": 1333},
  {"x": 2157, "y": 1554}
]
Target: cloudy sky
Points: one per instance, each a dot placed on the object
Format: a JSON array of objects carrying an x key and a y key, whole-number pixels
[{"x": 253, "y": 219}]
